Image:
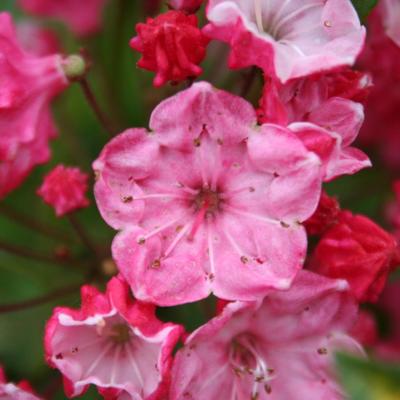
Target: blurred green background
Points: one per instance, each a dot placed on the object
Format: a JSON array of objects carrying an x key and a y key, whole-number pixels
[{"x": 127, "y": 96}]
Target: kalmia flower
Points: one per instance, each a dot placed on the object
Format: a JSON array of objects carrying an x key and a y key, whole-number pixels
[
  {"x": 190, "y": 6},
  {"x": 37, "y": 40},
  {"x": 358, "y": 250},
  {"x": 390, "y": 14},
  {"x": 82, "y": 17},
  {"x": 287, "y": 39},
  {"x": 27, "y": 85},
  {"x": 381, "y": 58},
  {"x": 172, "y": 46},
  {"x": 114, "y": 343},
  {"x": 207, "y": 201},
  {"x": 365, "y": 329},
  {"x": 281, "y": 348},
  {"x": 320, "y": 107},
  {"x": 64, "y": 189},
  {"x": 11, "y": 391},
  {"x": 325, "y": 215}
]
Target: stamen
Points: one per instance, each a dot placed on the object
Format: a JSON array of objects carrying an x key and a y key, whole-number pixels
[
  {"x": 99, "y": 358},
  {"x": 251, "y": 215},
  {"x": 210, "y": 248},
  {"x": 199, "y": 219},
  {"x": 258, "y": 13},
  {"x": 134, "y": 364},
  {"x": 159, "y": 229},
  {"x": 177, "y": 239}
]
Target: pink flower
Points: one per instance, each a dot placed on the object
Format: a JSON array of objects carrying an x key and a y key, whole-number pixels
[
  {"x": 37, "y": 40},
  {"x": 27, "y": 85},
  {"x": 82, "y": 17},
  {"x": 280, "y": 348},
  {"x": 11, "y": 391},
  {"x": 287, "y": 39},
  {"x": 64, "y": 189},
  {"x": 112, "y": 342},
  {"x": 390, "y": 13},
  {"x": 381, "y": 58},
  {"x": 207, "y": 201},
  {"x": 358, "y": 250},
  {"x": 172, "y": 46},
  {"x": 190, "y": 6},
  {"x": 320, "y": 107}
]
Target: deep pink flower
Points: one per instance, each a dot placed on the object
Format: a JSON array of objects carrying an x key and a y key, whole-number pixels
[
  {"x": 322, "y": 108},
  {"x": 190, "y": 6},
  {"x": 326, "y": 215},
  {"x": 27, "y": 85},
  {"x": 390, "y": 14},
  {"x": 381, "y": 58},
  {"x": 207, "y": 201},
  {"x": 11, "y": 391},
  {"x": 112, "y": 342},
  {"x": 287, "y": 39},
  {"x": 64, "y": 189},
  {"x": 37, "y": 40},
  {"x": 358, "y": 250},
  {"x": 82, "y": 17},
  {"x": 280, "y": 348},
  {"x": 172, "y": 46},
  {"x": 365, "y": 329}
]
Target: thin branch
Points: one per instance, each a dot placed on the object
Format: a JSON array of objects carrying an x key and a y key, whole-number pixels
[
  {"x": 92, "y": 101},
  {"x": 86, "y": 239},
  {"x": 26, "y": 304},
  {"x": 33, "y": 224},
  {"x": 34, "y": 255}
]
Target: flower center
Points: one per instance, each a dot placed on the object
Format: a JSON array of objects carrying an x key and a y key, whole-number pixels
[
  {"x": 247, "y": 361},
  {"x": 207, "y": 200},
  {"x": 119, "y": 333}
]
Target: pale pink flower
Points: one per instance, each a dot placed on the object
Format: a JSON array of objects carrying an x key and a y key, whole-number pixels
[
  {"x": 37, "y": 40},
  {"x": 207, "y": 201},
  {"x": 82, "y": 17},
  {"x": 287, "y": 39},
  {"x": 320, "y": 107},
  {"x": 185, "y": 5},
  {"x": 281, "y": 348},
  {"x": 64, "y": 189},
  {"x": 112, "y": 342},
  {"x": 27, "y": 85},
  {"x": 11, "y": 391},
  {"x": 390, "y": 12}
]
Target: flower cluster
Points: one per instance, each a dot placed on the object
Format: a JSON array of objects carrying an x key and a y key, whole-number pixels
[{"x": 215, "y": 198}]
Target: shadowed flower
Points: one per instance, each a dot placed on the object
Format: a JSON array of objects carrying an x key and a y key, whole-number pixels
[
  {"x": 280, "y": 348},
  {"x": 112, "y": 342},
  {"x": 27, "y": 85},
  {"x": 82, "y": 17},
  {"x": 207, "y": 201}
]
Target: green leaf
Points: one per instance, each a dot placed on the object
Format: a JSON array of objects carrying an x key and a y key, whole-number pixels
[
  {"x": 369, "y": 379},
  {"x": 364, "y": 7}
]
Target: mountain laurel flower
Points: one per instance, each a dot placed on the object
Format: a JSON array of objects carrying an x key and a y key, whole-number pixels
[
  {"x": 28, "y": 83},
  {"x": 64, "y": 189},
  {"x": 282, "y": 347},
  {"x": 172, "y": 46},
  {"x": 113, "y": 342},
  {"x": 189, "y": 6},
  {"x": 11, "y": 391},
  {"x": 321, "y": 108},
  {"x": 358, "y": 250},
  {"x": 287, "y": 39},
  {"x": 207, "y": 200},
  {"x": 82, "y": 17}
]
